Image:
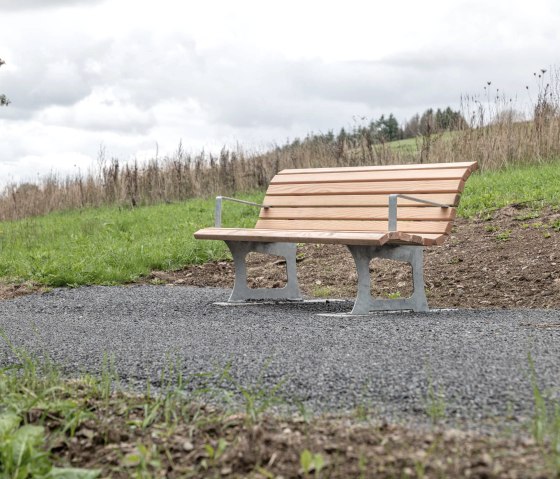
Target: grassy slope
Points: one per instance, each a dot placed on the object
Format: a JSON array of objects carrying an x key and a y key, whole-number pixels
[
  {"x": 111, "y": 245},
  {"x": 114, "y": 245},
  {"x": 539, "y": 185}
]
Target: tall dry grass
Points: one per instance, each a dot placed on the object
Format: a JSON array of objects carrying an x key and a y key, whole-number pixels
[{"x": 495, "y": 135}]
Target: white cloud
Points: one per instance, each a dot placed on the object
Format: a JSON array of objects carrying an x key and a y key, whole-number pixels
[
  {"x": 133, "y": 75},
  {"x": 102, "y": 110},
  {"x": 15, "y": 5}
]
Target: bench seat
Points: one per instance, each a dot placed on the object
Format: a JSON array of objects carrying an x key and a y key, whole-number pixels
[{"x": 320, "y": 237}]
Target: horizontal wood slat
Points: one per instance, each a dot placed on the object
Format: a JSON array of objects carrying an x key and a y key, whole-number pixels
[
  {"x": 433, "y": 239},
  {"x": 359, "y": 213},
  {"x": 355, "y": 225},
  {"x": 386, "y": 187},
  {"x": 359, "y": 200},
  {"x": 351, "y": 177},
  {"x": 307, "y": 236},
  {"x": 469, "y": 166}
]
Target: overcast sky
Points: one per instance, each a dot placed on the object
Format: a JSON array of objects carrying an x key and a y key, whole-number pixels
[{"x": 131, "y": 76}]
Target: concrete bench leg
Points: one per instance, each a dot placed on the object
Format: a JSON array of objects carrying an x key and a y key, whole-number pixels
[
  {"x": 241, "y": 292},
  {"x": 411, "y": 254}
]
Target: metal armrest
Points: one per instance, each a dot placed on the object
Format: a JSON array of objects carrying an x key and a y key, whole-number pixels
[
  {"x": 218, "y": 210},
  {"x": 393, "y": 207}
]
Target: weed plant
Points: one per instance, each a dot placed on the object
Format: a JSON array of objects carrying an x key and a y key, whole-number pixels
[
  {"x": 111, "y": 245},
  {"x": 495, "y": 135},
  {"x": 48, "y": 422},
  {"x": 546, "y": 422},
  {"x": 114, "y": 245}
]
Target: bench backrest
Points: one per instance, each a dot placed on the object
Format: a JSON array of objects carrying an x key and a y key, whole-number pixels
[{"x": 356, "y": 198}]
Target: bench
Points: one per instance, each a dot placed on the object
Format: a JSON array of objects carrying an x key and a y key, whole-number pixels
[{"x": 390, "y": 211}]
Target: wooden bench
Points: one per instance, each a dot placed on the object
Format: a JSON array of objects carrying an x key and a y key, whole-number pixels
[{"x": 356, "y": 207}]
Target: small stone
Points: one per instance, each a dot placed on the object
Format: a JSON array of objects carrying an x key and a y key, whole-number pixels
[
  {"x": 188, "y": 446},
  {"x": 452, "y": 434}
]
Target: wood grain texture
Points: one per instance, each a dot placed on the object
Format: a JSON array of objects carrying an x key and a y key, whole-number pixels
[
  {"x": 359, "y": 200},
  {"x": 470, "y": 166},
  {"x": 355, "y": 225},
  {"x": 322, "y": 237},
  {"x": 427, "y": 239},
  {"x": 299, "y": 236},
  {"x": 366, "y": 187},
  {"x": 392, "y": 175},
  {"x": 359, "y": 213}
]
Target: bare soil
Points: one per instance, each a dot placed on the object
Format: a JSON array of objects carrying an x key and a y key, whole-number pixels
[
  {"x": 9, "y": 290},
  {"x": 511, "y": 260},
  {"x": 273, "y": 447}
]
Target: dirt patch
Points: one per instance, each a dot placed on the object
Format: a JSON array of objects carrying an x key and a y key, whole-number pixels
[
  {"x": 511, "y": 260},
  {"x": 210, "y": 444},
  {"x": 8, "y": 291}
]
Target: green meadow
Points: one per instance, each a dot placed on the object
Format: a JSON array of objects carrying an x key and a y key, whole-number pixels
[{"x": 113, "y": 245}]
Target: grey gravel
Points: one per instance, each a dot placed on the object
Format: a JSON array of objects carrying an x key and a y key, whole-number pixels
[{"x": 478, "y": 359}]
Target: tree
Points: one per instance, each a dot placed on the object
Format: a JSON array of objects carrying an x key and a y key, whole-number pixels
[
  {"x": 3, "y": 100},
  {"x": 388, "y": 128},
  {"x": 441, "y": 120},
  {"x": 411, "y": 127},
  {"x": 427, "y": 122}
]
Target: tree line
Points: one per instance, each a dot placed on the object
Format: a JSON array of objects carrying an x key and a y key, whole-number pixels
[
  {"x": 387, "y": 128},
  {"x": 3, "y": 99}
]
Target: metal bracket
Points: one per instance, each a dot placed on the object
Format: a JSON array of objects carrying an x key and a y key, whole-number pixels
[
  {"x": 411, "y": 254},
  {"x": 218, "y": 208},
  {"x": 393, "y": 207},
  {"x": 241, "y": 292}
]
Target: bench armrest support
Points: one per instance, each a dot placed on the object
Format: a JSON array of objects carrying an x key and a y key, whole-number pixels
[
  {"x": 218, "y": 209},
  {"x": 393, "y": 207}
]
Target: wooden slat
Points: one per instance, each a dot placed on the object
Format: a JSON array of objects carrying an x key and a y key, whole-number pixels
[
  {"x": 300, "y": 236},
  {"x": 323, "y": 237},
  {"x": 427, "y": 239},
  {"x": 386, "y": 187},
  {"x": 470, "y": 166},
  {"x": 359, "y": 213},
  {"x": 358, "y": 200},
  {"x": 351, "y": 176},
  {"x": 355, "y": 225},
  {"x": 434, "y": 239}
]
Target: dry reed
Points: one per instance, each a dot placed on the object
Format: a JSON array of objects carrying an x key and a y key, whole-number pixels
[{"x": 493, "y": 135}]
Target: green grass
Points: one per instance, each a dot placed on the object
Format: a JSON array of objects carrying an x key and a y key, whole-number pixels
[
  {"x": 410, "y": 145},
  {"x": 414, "y": 145},
  {"x": 537, "y": 186},
  {"x": 116, "y": 245},
  {"x": 112, "y": 245}
]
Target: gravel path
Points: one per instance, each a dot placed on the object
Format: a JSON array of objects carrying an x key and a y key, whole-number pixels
[{"x": 476, "y": 358}]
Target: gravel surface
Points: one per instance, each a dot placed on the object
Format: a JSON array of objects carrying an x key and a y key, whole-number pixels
[{"x": 477, "y": 358}]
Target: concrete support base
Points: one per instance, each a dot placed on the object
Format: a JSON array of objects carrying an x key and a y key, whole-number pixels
[
  {"x": 411, "y": 254},
  {"x": 241, "y": 292}
]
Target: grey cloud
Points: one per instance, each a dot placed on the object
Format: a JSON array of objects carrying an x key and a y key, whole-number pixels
[
  {"x": 233, "y": 87},
  {"x": 15, "y": 5},
  {"x": 326, "y": 94},
  {"x": 237, "y": 89}
]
